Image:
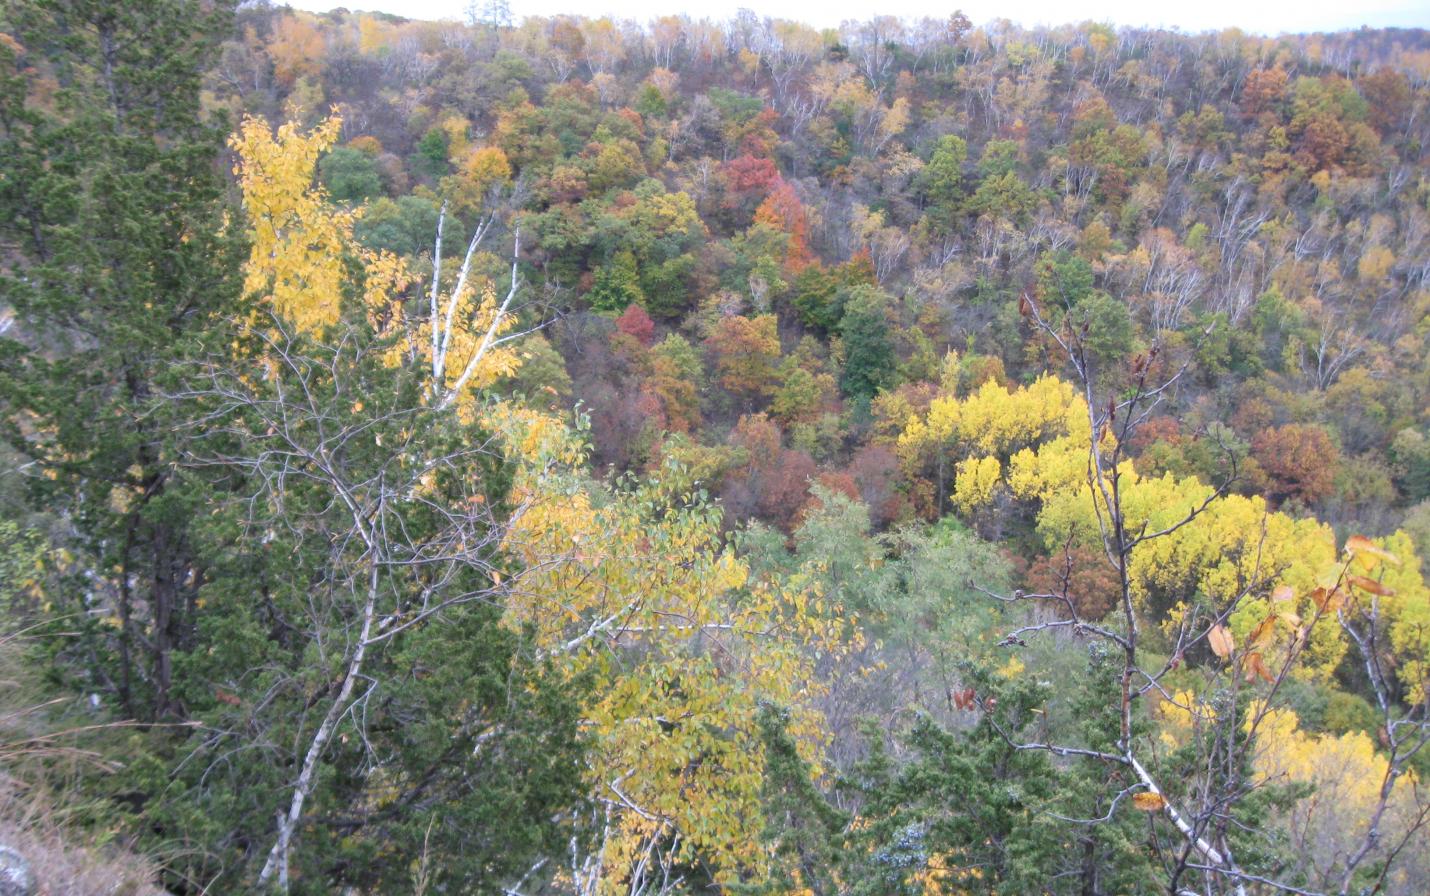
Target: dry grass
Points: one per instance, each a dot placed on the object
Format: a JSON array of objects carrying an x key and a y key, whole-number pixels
[
  {"x": 40, "y": 738},
  {"x": 63, "y": 865}
]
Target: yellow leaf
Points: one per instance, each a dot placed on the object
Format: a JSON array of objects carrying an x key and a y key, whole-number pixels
[
  {"x": 1364, "y": 550},
  {"x": 1148, "y": 801}
]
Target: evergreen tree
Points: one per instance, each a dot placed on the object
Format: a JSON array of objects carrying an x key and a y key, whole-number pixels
[
  {"x": 869, "y": 363},
  {"x": 943, "y": 181},
  {"x": 116, "y": 259},
  {"x": 802, "y": 830},
  {"x": 351, "y": 643}
]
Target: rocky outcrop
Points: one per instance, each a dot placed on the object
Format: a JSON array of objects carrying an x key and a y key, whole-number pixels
[{"x": 16, "y": 878}]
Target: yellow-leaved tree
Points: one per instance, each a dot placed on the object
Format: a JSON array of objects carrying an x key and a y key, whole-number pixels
[
  {"x": 627, "y": 587},
  {"x": 632, "y": 584},
  {"x": 1218, "y": 602},
  {"x": 298, "y": 241},
  {"x": 1211, "y": 549},
  {"x": 976, "y": 434},
  {"x": 1346, "y": 798},
  {"x": 302, "y": 245}
]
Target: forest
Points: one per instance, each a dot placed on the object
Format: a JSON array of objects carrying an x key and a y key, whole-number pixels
[{"x": 558, "y": 456}]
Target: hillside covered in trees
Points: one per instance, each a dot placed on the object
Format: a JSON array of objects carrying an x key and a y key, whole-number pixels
[{"x": 576, "y": 456}]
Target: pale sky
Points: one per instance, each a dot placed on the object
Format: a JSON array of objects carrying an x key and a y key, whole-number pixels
[{"x": 1260, "y": 16}]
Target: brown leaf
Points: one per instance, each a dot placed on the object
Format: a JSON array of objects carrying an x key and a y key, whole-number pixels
[
  {"x": 1263, "y": 631},
  {"x": 1283, "y": 593},
  {"x": 1328, "y": 601},
  {"x": 1370, "y": 585},
  {"x": 1262, "y": 670},
  {"x": 1146, "y": 801},
  {"x": 1219, "y": 637},
  {"x": 1254, "y": 666}
]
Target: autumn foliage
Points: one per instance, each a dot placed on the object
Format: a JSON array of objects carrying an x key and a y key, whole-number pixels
[{"x": 584, "y": 456}]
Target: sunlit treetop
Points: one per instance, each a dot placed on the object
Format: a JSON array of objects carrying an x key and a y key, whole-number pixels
[{"x": 302, "y": 250}]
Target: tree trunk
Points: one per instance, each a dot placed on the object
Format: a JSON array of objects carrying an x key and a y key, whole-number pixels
[{"x": 287, "y": 824}]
